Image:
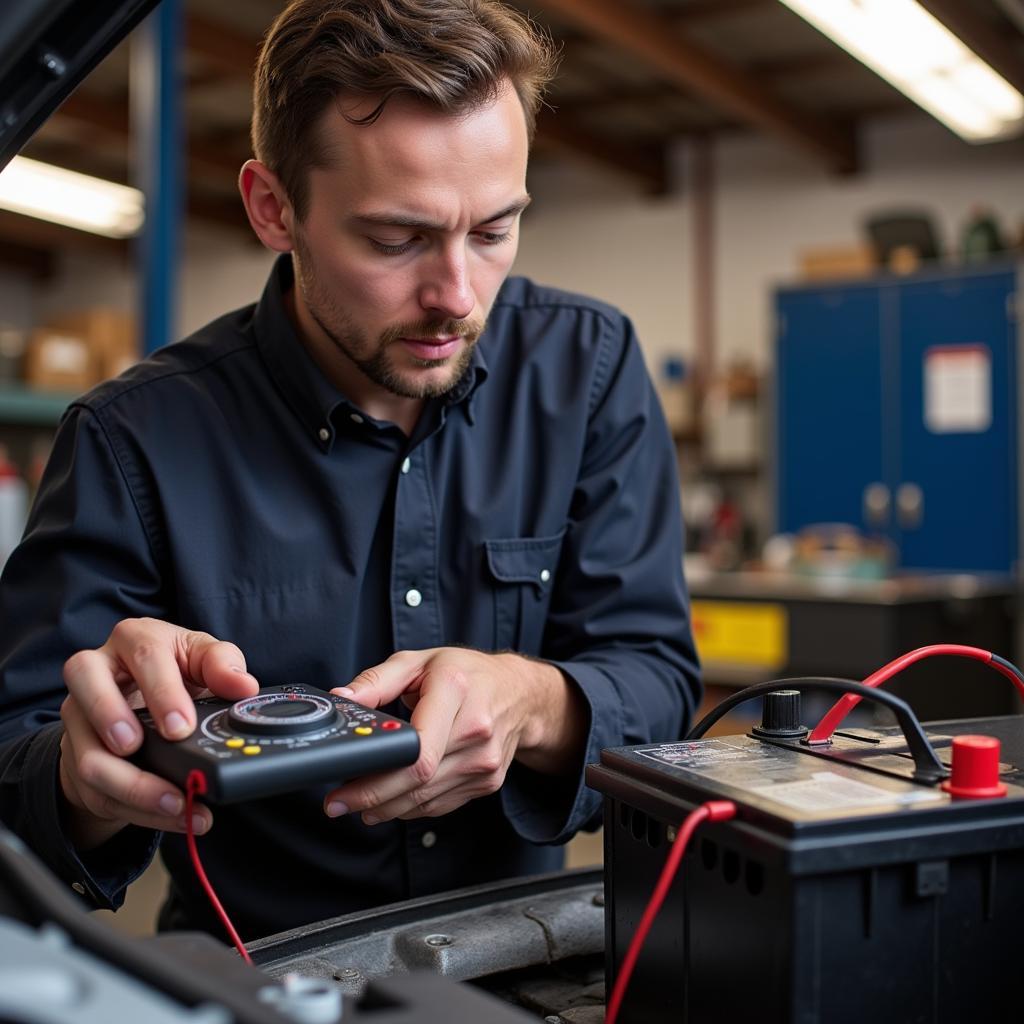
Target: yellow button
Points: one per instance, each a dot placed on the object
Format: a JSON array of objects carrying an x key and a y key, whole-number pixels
[
  {"x": 252, "y": 749},
  {"x": 235, "y": 742},
  {"x": 362, "y": 730}
]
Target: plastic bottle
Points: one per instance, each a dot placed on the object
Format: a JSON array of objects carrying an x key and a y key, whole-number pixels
[{"x": 13, "y": 505}]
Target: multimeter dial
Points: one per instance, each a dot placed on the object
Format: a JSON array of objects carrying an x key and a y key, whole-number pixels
[
  {"x": 282, "y": 714},
  {"x": 285, "y": 738}
]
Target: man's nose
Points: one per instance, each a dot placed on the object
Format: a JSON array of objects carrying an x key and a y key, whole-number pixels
[{"x": 446, "y": 289}]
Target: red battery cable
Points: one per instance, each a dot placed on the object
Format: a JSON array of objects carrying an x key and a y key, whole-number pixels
[{"x": 832, "y": 719}]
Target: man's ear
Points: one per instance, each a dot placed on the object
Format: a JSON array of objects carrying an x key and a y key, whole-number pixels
[{"x": 269, "y": 211}]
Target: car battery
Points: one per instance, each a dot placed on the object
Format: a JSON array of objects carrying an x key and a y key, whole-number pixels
[{"x": 842, "y": 890}]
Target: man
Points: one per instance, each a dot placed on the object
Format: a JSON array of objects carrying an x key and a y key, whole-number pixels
[{"x": 358, "y": 478}]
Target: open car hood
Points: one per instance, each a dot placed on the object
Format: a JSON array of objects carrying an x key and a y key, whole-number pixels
[{"x": 46, "y": 48}]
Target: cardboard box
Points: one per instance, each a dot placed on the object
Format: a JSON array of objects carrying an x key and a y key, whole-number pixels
[
  {"x": 110, "y": 333},
  {"x": 838, "y": 261},
  {"x": 74, "y": 351},
  {"x": 59, "y": 361}
]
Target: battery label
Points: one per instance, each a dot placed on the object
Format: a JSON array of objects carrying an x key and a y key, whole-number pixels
[
  {"x": 827, "y": 791},
  {"x": 699, "y": 755}
]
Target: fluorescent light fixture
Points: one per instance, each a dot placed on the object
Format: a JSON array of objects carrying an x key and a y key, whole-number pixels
[
  {"x": 910, "y": 48},
  {"x": 66, "y": 197}
]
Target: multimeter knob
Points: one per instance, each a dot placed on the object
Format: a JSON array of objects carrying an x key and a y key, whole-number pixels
[{"x": 282, "y": 714}]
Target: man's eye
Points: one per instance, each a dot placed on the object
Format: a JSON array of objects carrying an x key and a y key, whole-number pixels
[
  {"x": 494, "y": 237},
  {"x": 391, "y": 249}
]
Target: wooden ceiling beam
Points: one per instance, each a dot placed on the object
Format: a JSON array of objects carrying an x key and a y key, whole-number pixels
[
  {"x": 654, "y": 40},
  {"x": 235, "y": 54},
  {"x": 33, "y": 233},
  {"x": 960, "y": 17},
  {"x": 221, "y": 47},
  {"x": 38, "y": 262},
  {"x": 111, "y": 119},
  {"x": 560, "y": 133}
]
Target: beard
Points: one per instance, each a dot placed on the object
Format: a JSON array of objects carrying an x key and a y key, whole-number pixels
[{"x": 376, "y": 358}]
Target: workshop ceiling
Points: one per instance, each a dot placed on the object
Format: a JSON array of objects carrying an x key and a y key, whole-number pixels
[{"x": 636, "y": 76}]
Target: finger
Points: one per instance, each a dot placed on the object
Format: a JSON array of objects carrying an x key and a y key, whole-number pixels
[
  {"x": 424, "y": 800},
  {"x": 89, "y": 677},
  {"x": 380, "y": 684},
  {"x": 113, "y": 789},
  {"x": 440, "y": 700},
  {"x": 218, "y": 665},
  {"x": 477, "y": 770},
  {"x": 444, "y": 803},
  {"x": 146, "y": 649}
]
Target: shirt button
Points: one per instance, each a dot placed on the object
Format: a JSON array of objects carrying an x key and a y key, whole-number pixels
[
  {"x": 413, "y": 598},
  {"x": 405, "y": 466},
  {"x": 356, "y": 418},
  {"x": 545, "y": 575},
  {"x": 80, "y": 889},
  {"x": 428, "y": 839},
  {"x": 324, "y": 434}
]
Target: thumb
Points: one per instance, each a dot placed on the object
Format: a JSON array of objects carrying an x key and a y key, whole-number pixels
[
  {"x": 383, "y": 683},
  {"x": 219, "y": 666}
]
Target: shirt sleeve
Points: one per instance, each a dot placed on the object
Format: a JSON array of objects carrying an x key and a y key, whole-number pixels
[
  {"x": 619, "y": 622},
  {"x": 84, "y": 563}
]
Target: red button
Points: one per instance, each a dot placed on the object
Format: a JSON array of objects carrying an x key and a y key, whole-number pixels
[
  {"x": 975, "y": 768},
  {"x": 391, "y": 725}
]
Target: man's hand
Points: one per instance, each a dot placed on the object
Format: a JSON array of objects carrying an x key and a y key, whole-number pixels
[
  {"x": 144, "y": 662},
  {"x": 474, "y": 713}
]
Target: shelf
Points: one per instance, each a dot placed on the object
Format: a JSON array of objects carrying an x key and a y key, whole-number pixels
[{"x": 22, "y": 406}]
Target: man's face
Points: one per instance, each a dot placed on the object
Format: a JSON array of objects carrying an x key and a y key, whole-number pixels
[{"x": 409, "y": 233}]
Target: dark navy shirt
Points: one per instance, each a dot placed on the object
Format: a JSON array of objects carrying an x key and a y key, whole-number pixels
[{"x": 225, "y": 485}]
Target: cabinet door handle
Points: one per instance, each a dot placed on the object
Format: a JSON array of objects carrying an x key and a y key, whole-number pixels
[
  {"x": 909, "y": 506},
  {"x": 876, "y": 505}
]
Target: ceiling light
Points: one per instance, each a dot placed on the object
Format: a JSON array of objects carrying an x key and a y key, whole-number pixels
[
  {"x": 66, "y": 197},
  {"x": 915, "y": 52}
]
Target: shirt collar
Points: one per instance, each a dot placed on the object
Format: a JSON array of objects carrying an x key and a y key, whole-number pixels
[{"x": 311, "y": 395}]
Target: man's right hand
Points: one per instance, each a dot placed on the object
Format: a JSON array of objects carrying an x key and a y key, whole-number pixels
[{"x": 144, "y": 662}]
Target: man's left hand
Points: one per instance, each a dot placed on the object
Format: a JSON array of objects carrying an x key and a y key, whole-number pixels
[{"x": 474, "y": 713}]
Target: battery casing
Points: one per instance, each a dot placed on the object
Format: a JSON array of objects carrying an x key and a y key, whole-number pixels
[{"x": 841, "y": 891}]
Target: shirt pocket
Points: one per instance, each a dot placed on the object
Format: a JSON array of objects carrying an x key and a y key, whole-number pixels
[{"x": 522, "y": 573}]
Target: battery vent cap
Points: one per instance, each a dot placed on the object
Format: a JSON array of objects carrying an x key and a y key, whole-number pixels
[
  {"x": 780, "y": 716},
  {"x": 975, "y": 772}
]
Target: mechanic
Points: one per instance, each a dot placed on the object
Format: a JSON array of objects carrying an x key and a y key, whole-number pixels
[{"x": 401, "y": 470}]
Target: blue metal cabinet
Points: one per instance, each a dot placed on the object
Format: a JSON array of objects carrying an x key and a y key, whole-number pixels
[{"x": 896, "y": 411}]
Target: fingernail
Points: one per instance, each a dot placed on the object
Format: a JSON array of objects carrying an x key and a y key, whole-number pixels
[
  {"x": 170, "y": 804},
  {"x": 198, "y": 824},
  {"x": 344, "y": 691},
  {"x": 122, "y": 735},
  {"x": 335, "y": 809},
  {"x": 176, "y": 725},
  {"x": 369, "y": 819}
]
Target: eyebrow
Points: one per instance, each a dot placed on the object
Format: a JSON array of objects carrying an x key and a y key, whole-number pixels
[{"x": 402, "y": 220}]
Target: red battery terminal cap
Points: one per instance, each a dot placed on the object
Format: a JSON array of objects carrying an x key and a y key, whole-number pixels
[{"x": 975, "y": 772}]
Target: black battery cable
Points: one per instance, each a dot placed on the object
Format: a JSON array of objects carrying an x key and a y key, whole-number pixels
[{"x": 928, "y": 769}]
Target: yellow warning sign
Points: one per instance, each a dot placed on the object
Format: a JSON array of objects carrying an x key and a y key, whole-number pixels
[{"x": 741, "y": 633}]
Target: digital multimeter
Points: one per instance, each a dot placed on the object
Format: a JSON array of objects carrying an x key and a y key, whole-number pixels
[{"x": 281, "y": 739}]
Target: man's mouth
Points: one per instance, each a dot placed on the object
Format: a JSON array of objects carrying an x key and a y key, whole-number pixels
[{"x": 432, "y": 348}]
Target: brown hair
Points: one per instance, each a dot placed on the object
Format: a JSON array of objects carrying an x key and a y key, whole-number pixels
[{"x": 455, "y": 54}]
